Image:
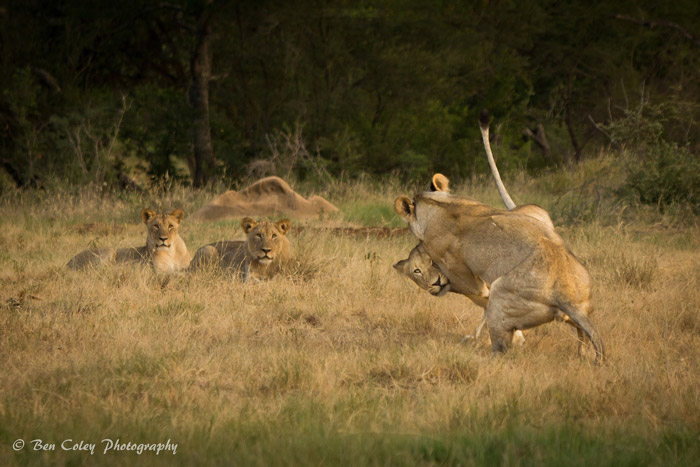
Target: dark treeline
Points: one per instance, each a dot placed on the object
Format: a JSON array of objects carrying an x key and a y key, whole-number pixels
[{"x": 93, "y": 91}]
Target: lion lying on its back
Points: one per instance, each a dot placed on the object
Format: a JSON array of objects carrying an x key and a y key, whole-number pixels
[
  {"x": 261, "y": 255},
  {"x": 165, "y": 249}
]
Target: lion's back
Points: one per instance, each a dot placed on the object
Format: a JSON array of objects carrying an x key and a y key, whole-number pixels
[
  {"x": 228, "y": 254},
  {"x": 91, "y": 258},
  {"x": 232, "y": 253}
]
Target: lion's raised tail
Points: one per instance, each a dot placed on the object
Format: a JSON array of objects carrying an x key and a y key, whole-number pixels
[
  {"x": 484, "y": 126},
  {"x": 583, "y": 322}
]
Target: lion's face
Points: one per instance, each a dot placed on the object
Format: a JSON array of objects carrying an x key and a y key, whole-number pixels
[
  {"x": 162, "y": 229},
  {"x": 419, "y": 267},
  {"x": 267, "y": 241}
]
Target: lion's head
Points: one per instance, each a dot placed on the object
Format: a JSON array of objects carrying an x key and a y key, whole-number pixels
[
  {"x": 162, "y": 229},
  {"x": 266, "y": 241},
  {"x": 419, "y": 267}
]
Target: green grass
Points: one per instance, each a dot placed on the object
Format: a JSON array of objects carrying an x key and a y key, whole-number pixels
[
  {"x": 371, "y": 213},
  {"x": 306, "y": 432}
]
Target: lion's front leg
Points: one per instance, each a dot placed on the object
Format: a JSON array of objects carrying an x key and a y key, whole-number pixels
[
  {"x": 510, "y": 310},
  {"x": 477, "y": 332},
  {"x": 250, "y": 275},
  {"x": 498, "y": 315},
  {"x": 518, "y": 337}
]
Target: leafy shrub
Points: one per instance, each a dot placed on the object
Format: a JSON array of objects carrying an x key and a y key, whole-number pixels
[{"x": 670, "y": 175}]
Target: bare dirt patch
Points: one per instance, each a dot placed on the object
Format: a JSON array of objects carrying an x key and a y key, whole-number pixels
[{"x": 376, "y": 232}]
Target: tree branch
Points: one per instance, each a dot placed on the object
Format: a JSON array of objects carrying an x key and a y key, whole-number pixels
[{"x": 663, "y": 23}]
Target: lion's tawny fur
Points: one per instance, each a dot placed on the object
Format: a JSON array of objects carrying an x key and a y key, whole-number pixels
[
  {"x": 262, "y": 254},
  {"x": 532, "y": 276},
  {"x": 165, "y": 250}
]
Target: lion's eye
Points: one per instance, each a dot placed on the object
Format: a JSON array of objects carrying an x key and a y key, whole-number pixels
[
  {"x": 170, "y": 227},
  {"x": 155, "y": 227},
  {"x": 274, "y": 236},
  {"x": 417, "y": 271},
  {"x": 259, "y": 236}
]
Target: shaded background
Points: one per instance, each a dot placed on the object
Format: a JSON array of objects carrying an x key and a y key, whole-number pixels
[{"x": 117, "y": 92}]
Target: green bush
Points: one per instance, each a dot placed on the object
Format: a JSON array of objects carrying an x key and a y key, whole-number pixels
[{"x": 669, "y": 175}]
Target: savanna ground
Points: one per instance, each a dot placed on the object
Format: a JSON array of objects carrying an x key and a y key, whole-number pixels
[{"x": 343, "y": 362}]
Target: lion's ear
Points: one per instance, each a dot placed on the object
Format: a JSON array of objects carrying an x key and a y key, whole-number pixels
[
  {"x": 248, "y": 224},
  {"x": 179, "y": 214},
  {"x": 402, "y": 266},
  {"x": 440, "y": 183},
  {"x": 404, "y": 207},
  {"x": 147, "y": 215},
  {"x": 284, "y": 225}
]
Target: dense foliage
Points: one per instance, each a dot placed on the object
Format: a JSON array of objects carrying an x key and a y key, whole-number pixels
[{"x": 93, "y": 91}]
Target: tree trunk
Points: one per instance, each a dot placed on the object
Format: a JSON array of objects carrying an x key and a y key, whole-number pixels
[
  {"x": 539, "y": 137},
  {"x": 567, "y": 115},
  {"x": 200, "y": 66},
  {"x": 572, "y": 135}
]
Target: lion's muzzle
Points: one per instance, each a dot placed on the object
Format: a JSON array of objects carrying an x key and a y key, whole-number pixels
[
  {"x": 265, "y": 257},
  {"x": 161, "y": 245},
  {"x": 439, "y": 288}
]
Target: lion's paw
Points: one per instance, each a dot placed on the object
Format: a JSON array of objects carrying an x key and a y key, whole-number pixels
[{"x": 518, "y": 338}]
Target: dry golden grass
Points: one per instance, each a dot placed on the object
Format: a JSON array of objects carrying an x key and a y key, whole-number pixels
[{"x": 343, "y": 361}]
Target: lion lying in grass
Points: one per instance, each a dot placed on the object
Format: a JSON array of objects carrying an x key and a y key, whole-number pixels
[
  {"x": 164, "y": 250},
  {"x": 262, "y": 254}
]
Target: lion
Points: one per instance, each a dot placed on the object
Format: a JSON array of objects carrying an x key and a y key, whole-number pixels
[
  {"x": 265, "y": 251},
  {"x": 513, "y": 262},
  {"x": 165, "y": 250},
  {"x": 531, "y": 275},
  {"x": 421, "y": 269}
]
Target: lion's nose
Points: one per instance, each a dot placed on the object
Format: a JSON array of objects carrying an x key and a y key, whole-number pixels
[
  {"x": 163, "y": 239},
  {"x": 266, "y": 250}
]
